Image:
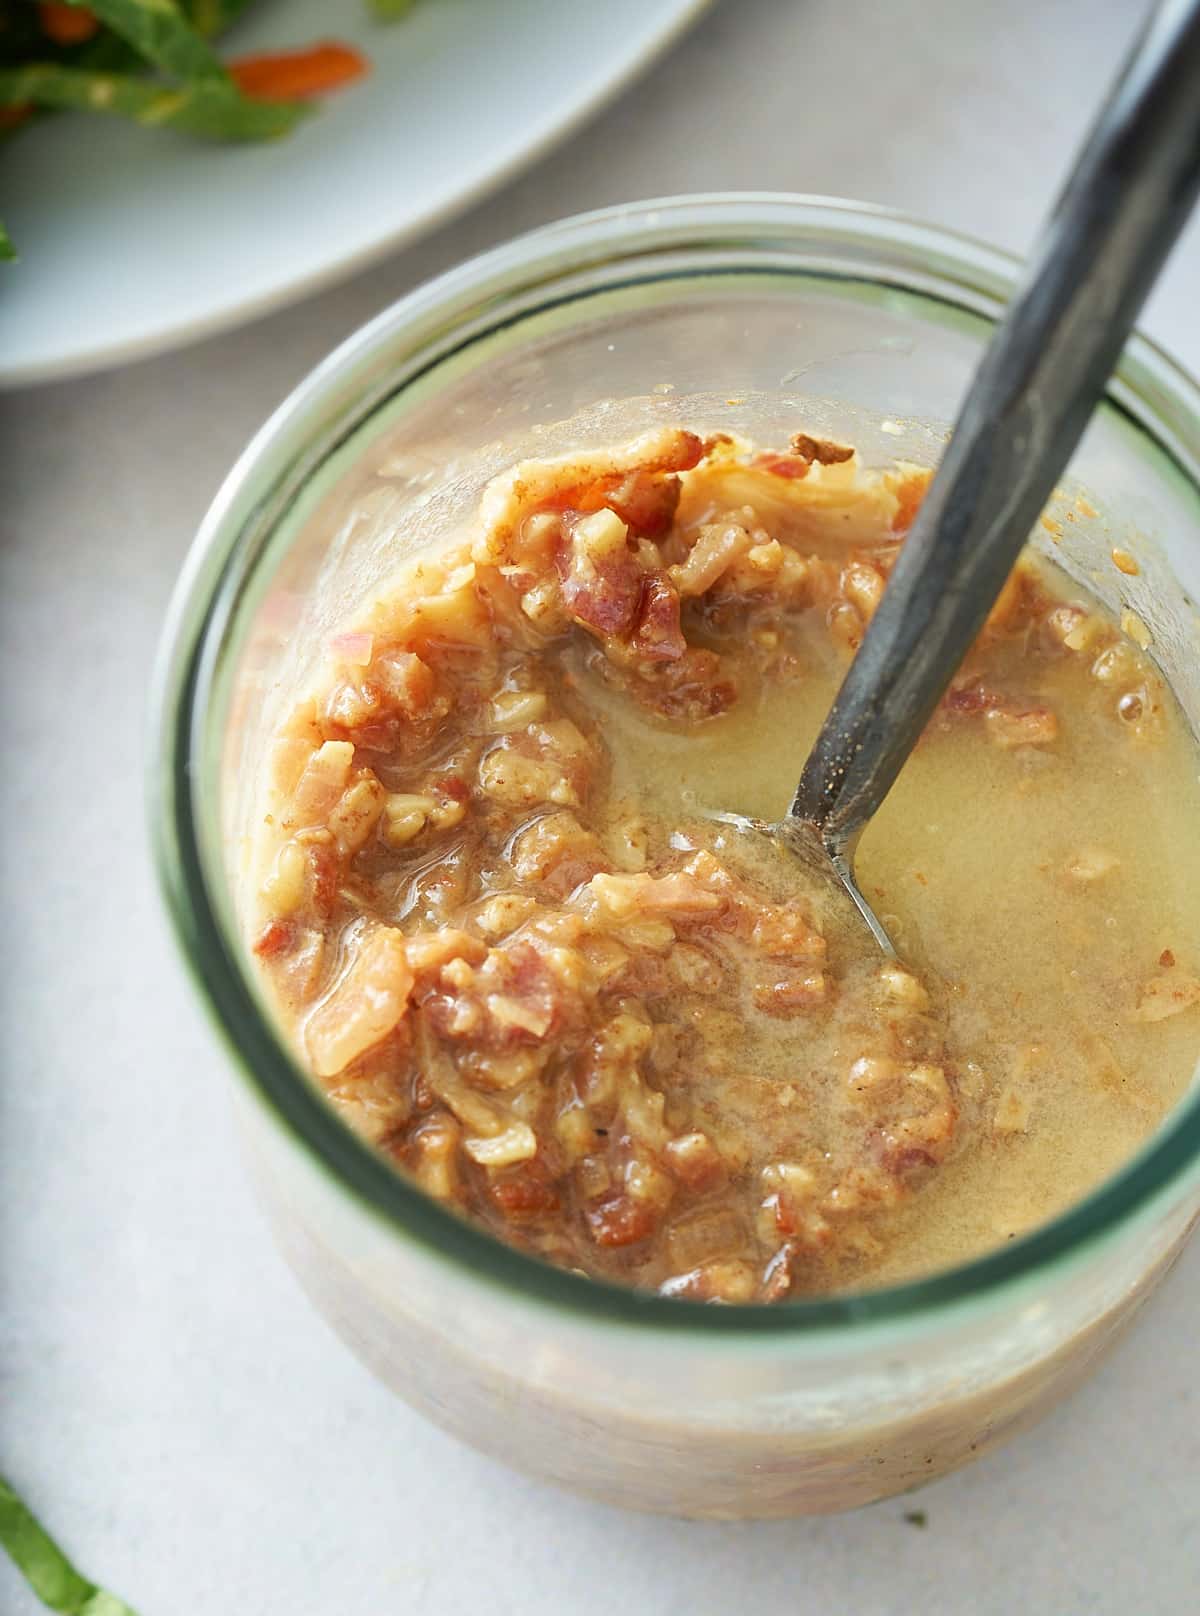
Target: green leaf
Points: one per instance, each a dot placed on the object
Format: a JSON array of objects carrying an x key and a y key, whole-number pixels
[
  {"x": 212, "y": 17},
  {"x": 391, "y": 10},
  {"x": 46, "y": 1568},
  {"x": 7, "y": 250},
  {"x": 107, "y": 53},
  {"x": 216, "y": 110},
  {"x": 161, "y": 32}
]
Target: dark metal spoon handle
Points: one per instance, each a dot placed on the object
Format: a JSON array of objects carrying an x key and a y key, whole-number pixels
[{"x": 1123, "y": 207}]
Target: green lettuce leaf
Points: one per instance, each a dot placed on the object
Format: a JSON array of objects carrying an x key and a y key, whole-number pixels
[
  {"x": 212, "y": 17},
  {"x": 212, "y": 108},
  {"x": 46, "y": 1568},
  {"x": 162, "y": 34}
]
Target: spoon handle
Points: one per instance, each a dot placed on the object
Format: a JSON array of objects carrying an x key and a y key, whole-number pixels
[{"x": 1131, "y": 191}]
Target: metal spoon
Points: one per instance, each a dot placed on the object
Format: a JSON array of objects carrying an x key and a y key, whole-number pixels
[{"x": 1121, "y": 211}]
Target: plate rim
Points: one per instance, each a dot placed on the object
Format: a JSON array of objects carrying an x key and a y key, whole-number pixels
[{"x": 182, "y": 334}]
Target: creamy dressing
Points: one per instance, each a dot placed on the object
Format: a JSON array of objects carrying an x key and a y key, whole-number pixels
[
  {"x": 525, "y": 961},
  {"x": 1035, "y": 971}
]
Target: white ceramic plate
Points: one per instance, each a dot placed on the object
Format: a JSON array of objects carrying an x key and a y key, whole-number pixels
[{"x": 135, "y": 240}]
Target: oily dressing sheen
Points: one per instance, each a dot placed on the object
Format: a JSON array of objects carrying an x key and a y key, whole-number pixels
[{"x": 523, "y": 960}]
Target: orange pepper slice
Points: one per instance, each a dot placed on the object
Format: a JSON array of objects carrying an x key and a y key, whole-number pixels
[
  {"x": 67, "y": 25},
  {"x": 293, "y": 75}
]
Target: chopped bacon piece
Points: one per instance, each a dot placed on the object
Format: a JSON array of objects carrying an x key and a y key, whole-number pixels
[
  {"x": 688, "y": 451},
  {"x": 967, "y": 699},
  {"x": 325, "y": 876},
  {"x": 374, "y": 705},
  {"x": 905, "y": 1159},
  {"x": 793, "y": 467},
  {"x": 1008, "y": 721},
  {"x": 276, "y": 937},
  {"x": 645, "y": 503},
  {"x": 452, "y": 786},
  {"x": 658, "y": 636},
  {"x": 578, "y": 482},
  {"x": 689, "y": 689},
  {"x": 822, "y": 450},
  {"x": 622, "y": 1221},
  {"x": 513, "y": 998},
  {"x": 557, "y": 851},
  {"x": 600, "y": 590},
  {"x": 526, "y": 1192},
  {"x": 696, "y": 1161}
]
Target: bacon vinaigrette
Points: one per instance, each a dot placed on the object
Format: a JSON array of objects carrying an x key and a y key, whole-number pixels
[{"x": 523, "y": 962}]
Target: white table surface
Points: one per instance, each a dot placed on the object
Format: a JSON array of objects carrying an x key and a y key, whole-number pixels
[{"x": 168, "y": 1401}]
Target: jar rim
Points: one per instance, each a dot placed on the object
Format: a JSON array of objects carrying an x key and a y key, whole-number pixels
[{"x": 1149, "y": 388}]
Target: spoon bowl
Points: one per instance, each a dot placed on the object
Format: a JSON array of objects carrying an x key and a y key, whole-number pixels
[{"x": 826, "y": 870}]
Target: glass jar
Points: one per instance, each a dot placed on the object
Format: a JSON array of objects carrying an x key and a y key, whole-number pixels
[{"x": 756, "y": 313}]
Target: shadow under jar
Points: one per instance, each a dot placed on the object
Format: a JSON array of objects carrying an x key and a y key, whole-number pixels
[{"x": 754, "y": 315}]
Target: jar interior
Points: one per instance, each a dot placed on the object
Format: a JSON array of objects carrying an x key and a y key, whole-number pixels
[{"x": 880, "y": 365}]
